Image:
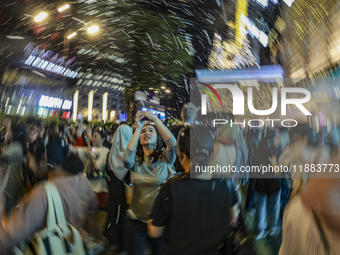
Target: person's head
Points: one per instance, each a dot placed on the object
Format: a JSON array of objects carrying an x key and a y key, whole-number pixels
[
  {"x": 37, "y": 159},
  {"x": 98, "y": 137},
  {"x": 256, "y": 134},
  {"x": 53, "y": 130},
  {"x": 149, "y": 140},
  {"x": 73, "y": 165},
  {"x": 148, "y": 136},
  {"x": 227, "y": 134},
  {"x": 16, "y": 133},
  {"x": 300, "y": 133},
  {"x": 202, "y": 146},
  {"x": 188, "y": 113}
]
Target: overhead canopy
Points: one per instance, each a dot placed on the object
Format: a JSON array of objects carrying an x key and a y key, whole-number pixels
[{"x": 264, "y": 73}]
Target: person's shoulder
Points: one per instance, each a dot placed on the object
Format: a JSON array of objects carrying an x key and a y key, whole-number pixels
[
  {"x": 38, "y": 193},
  {"x": 39, "y": 187},
  {"x": 77, "y": 182},
  {"x": 178, "y": 178},
  {"x": 175, "y": 130}
]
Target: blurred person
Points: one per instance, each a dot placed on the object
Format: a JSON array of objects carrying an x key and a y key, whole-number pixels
[
  {"x": 253, "y": 143},
  {"x": 225, "y": 151},
  {"x": 11, "y": 160},
  {"x": 57, "y": 148},
  {"x": 281, "y": 140},
  {"x": 75, "y": 191},
  {"x": 311, "y": 223},
  {"x": 107, "y": 143},
  {"x": 88, "y": 130},
  {"x": 150, "y": 165},
  {"x": 229, "y": 149},
  {"x": 79, "y": 138},
  {"x": 254, "y": 138},
  {"x": 94, "y": 159},
  {"x": 95, "y": 164},
  {"x": 268, "y": 190},
  {"x": 333, "y": 136},
  {"x": 188, "y": 116},
  {"x": 186, "y": 209},
  {"x": 39, "y": 133},
  {"x": 300, "y": 152},
  {"x": 117, "y": 201},
  {"x": 70, "y": 132}
]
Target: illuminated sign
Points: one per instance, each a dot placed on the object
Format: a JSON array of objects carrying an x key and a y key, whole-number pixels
[
  {"x": 254, "y": 31},
  {"x": 49, "y": 66},
  {"x": 55, "y": 102},
  {"x": 66, "y": 115}
]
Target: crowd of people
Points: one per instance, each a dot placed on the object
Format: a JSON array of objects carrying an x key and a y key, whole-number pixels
[{"x": 134, "y": 187}]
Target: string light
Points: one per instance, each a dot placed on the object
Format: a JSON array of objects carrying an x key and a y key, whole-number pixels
[
  {"x": 227, "y": 55},
  {"x": 63, "y": 8}
]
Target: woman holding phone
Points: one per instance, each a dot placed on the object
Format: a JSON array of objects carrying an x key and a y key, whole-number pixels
[{"x": 150, "y": 165}]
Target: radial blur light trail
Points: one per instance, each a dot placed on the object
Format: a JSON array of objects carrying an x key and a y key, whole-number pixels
[{"x": 40, "y": 17}]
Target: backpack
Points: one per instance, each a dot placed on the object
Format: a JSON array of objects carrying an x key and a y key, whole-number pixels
[{"x": 58, "y": 237}]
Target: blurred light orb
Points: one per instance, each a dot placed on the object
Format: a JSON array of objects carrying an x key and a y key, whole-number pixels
[
  {"x": 92, "y": 29},
  {"x": 40, "y": 17}
]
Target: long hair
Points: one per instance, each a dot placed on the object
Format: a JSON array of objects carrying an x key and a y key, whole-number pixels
[{"x": 156, "y": 153}]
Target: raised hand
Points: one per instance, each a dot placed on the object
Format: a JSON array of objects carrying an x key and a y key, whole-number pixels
[{"x": 139, "y": 121}]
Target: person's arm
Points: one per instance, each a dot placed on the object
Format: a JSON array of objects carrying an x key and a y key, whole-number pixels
[
  {"x": 154, "y": 231},
  {"x": 24, "y": 220},
  {"x": 70, "y": 137},
  {"x": 74, "y": 150},
  {"x": 130, "y": 151}
]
